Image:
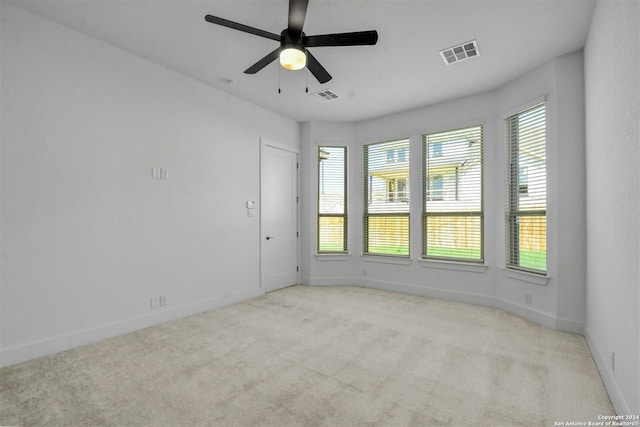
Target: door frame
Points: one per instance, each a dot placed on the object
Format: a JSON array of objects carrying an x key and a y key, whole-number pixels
[{"x": 264, "y": 144}]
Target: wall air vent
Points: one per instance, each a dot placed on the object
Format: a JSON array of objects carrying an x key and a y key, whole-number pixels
[
  {"x": 325, "y": 95},
  {"x": 460, "y": 52}
]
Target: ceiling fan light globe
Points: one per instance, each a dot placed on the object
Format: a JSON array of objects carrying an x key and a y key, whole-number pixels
[{"x": 293, "y": 58}]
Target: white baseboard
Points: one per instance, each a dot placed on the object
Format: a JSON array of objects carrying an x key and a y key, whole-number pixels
[
  {"x": 525, "y": 312},
  {"x": 563, "y": 325},
  {"x": 56, "y": 344},
  {"x": 334, "y": 281},
  {"x": 424, "y": 291},
  {"x": 620, "y": 404},
  {"x": 572, "y": 326}
]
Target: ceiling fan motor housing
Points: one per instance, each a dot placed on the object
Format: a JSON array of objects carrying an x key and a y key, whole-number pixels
[{"x": 289, "y": 41}]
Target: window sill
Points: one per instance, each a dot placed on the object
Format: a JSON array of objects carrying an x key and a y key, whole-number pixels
[
  {"x": 536, "y": 279},
  {"x": 386, "y": 259},
  {"x": 333, "y": 257},
  {"x": 451, "y": 265}
]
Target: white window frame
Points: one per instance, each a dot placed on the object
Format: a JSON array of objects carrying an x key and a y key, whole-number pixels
[
  {"x": 344, "y": 214},
  {"x": 429, "y": 194},
  {"x": 390, "y": 161},
  {"x": 513, "y": 211}
]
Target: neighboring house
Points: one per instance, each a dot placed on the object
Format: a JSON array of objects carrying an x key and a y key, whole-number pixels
[
  {"x": 389, "y": 177},
  {"x": 455, "y": 173}
]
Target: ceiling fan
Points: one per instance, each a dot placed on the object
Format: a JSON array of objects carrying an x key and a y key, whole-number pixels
[{"x": 294, "y": 42}]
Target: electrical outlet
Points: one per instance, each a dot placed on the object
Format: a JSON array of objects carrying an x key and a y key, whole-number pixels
[
  {"x": 528, "y": 298},
  {"x": 159, "y": 301},
  {"x": 613, "y": 361}
]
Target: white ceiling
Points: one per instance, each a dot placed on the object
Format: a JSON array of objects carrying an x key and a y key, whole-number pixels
[{"x": 404, "y": 70}]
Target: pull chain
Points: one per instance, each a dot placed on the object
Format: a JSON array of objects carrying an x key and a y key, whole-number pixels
[{"x": 306, "y": 76}]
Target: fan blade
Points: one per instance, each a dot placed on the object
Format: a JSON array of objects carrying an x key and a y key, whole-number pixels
[
  {"x": 263, "y": 62},
  {"x": 241, "y": 27},
  {"x": 297, "y": 14},
  {"x": 342, "y": 39},
  {"x": 316, "y": 69}
]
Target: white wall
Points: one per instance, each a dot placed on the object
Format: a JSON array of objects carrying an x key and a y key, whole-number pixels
[
  {"x": 613, "y": 198},
  {"x": 88, "y": 237},
  {"x": 557, "y": 302}
]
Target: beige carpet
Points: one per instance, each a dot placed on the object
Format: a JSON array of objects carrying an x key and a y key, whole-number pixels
[{"x": 307, "y": 356}]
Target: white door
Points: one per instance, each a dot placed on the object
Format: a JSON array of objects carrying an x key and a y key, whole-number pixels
[{"x": 278, "y": 218}]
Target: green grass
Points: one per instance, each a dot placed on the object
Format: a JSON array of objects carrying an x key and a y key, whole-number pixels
[
  {"x": 331, "y": 247},
  {"x": 388, "y": 250},
  {"x": 535, "y": 260},
  {"x": 382, "y": 250},
  {"x": 457, "y": 253}
]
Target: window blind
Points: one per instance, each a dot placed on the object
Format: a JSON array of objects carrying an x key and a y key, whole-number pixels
[
  {"x": 332, "y": 199},
  {"x": 526, "y": 179},
  {"x": 386, "y": 192},
  {"x": 452, "y": 189}
]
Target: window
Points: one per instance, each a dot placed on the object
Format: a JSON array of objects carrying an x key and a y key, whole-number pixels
[
  {"x": 402, "y": 154},
  {"x": 526, "y": 209},
  {"x": 434, "y": 190},
  {"x": 397, "y": 190},
  {"x": 386, "y": 192},
  {"x": 395, "y": 155},
  {"x": 402, "y": 186},
  {"x": 391, "y": 156},
  {"x": 453, "y": 215},
  {"x": 523, "y": 180},
  {"x": 332, "y": 199},
  {"x": 436, "y": 149}
]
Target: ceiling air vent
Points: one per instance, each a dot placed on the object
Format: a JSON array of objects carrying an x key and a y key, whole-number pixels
[
  {"x": 325, "y": 95},
  {"x": 460, "y": 52}
]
